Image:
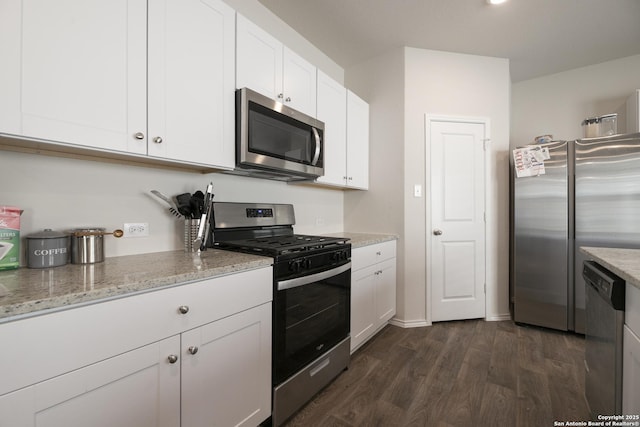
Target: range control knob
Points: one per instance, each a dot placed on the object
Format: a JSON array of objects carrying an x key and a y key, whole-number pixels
[
  {"x": 295, "y": 265},
  {"x": 306, "y": 263}
]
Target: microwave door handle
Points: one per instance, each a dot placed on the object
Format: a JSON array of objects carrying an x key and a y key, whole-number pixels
[
  {"x": 316, "y": 155},
  {"x": 307, "y": 280}
]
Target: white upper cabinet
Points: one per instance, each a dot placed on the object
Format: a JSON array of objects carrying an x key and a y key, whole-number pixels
[
  {"x": 357, "y": 142},
  {"x": 74, "y": 74},
  {"x": 265, "y": 65},
  {"x": 332, "y": 110},
  {"x": 192, "y": 81},
  {"x": 77, "y": 74}
]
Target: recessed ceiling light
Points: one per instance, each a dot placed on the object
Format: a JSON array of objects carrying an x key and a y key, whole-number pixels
[{"x": 496, "y": 1}]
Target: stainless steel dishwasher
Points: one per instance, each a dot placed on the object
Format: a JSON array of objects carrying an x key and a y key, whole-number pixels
[{"x": 603, "y": 332}]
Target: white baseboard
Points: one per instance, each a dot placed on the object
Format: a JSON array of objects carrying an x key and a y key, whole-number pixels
[
  {"x": 498, "y": 317},
  {"x": 409, "y": 323}
]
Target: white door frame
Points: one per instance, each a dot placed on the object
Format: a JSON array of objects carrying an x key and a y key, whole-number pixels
[{"x": 429, "y": 118}]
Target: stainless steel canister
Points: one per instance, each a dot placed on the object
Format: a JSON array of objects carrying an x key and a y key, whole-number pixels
[
  {"x": 47, "y": 248},
  {"x": 87, "y": 245}
]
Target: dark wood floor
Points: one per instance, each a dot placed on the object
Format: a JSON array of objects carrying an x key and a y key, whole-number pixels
[{"x": 463, "y": 373}]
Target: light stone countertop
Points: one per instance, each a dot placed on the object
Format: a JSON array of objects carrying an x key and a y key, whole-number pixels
[
  {"x": 623, "y": 262},
  {"x": 28, "y": 291},
  {"x": 364, "y": 239}
]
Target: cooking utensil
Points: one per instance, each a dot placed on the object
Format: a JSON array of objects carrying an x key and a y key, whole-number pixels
[
  {"x": 200, "y": 241},
  {"x": 115, "y": 233},
  {"x": 184, "y": 204},
  {"x": 197, "y": 204},
  {"x": 172, "y": 207}
]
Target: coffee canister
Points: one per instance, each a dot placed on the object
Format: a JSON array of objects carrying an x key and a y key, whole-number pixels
[
  {"x": 47, "y": 248},
  {"x": 87, "y": 245}
]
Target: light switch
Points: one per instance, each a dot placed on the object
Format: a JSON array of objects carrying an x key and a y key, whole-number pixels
[{"x": 417, "y": 190}]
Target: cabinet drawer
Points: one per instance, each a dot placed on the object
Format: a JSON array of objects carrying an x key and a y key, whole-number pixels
[
  {"x": 41, "y": 347},
  {"x": 369, "y": 255}
]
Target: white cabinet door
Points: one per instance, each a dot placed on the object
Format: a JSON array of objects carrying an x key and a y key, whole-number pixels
[
  {"x": 258, "y": 59},
  {"x": 631, "y": 373},
  {"x": 332, "y": 110},
  {"x": 265, "y": 65},
  {"x": 363, "y": 301},
  {"x": 192, "y": 81},
  {"x": 299, "y": 83},
  {"x": 373, "y": 290},
  {"x": 75, "y": 73},
  {"x": 140, "y": 388},
  {"x": 357, "y": 142},
  {"x": 385, "y": 290},
  {"x": 226, "y": 371}
]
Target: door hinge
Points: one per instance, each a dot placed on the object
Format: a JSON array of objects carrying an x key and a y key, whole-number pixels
[
  {"x": 485, "y": 288},
  {"x": 485, "y": 143},
  {"x": 484, "y": 216}
]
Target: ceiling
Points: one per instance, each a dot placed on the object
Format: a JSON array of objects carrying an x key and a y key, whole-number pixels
[{"x": 539, "y": 37}]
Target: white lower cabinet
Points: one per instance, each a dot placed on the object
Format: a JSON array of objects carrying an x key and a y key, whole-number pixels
[
  {"x": 631, "y": 353},
  {"x": 223, "y": 380},
  {"x": 139, "y": 388},
  {"x": 196, "y": 355},
  {"x": 373, "y": 290}
]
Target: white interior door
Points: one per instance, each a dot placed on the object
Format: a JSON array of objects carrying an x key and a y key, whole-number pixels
[{"x": 457, "y": 270}]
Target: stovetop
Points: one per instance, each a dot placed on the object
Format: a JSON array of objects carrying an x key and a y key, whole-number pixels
[{"x": 282, "y": 245}]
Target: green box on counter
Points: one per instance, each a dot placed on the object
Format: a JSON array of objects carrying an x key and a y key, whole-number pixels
[{"x": 9, "y": 237}]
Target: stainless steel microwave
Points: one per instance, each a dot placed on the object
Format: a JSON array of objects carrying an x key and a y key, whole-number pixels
[{"x": 275, "y": 141}]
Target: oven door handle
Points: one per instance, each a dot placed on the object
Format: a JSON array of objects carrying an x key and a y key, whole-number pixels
[{"x": 306, "y": 280}]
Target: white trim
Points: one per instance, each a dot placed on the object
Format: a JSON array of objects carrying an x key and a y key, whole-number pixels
[
  {"x": 499, "y": 317},
  {"x": 430, "y": 118},
  {"x": 409, "y": 323}
]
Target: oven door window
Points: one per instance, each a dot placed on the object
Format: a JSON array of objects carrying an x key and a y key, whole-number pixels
[{"x": 309, "y": 320}]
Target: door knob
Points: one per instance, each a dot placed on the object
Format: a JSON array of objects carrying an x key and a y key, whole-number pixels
[{"x": 437, "y": 232}]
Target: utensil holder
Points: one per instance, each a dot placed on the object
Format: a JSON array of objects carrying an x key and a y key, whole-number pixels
[{"x": 190, "y": 234}]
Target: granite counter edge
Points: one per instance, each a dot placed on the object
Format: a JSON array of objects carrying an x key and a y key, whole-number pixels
[
  {"x": 41, "y": 306},
  {"x": 617, "y": 260}
]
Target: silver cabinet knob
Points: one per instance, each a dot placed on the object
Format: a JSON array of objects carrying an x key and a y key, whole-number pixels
[
  {"x": 138, "y": 135},
  {"x": 280, "y": 95},
  {"x": 183, "y": 309},
  {"x": 288, "y": 99},
  {"x": 157, "y": 140},
  {"x": 378, "y": 253},
  {"x": 437, "y": 232},
  {"x": 172, "y": 358},
  {"x": 192, "y": 349}
]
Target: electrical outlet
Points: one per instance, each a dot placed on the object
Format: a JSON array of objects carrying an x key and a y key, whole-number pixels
[{"x": 136, "y": 229}]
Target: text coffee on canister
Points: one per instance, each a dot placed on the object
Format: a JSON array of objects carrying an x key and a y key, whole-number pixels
[{"x": 47, "y": 248}]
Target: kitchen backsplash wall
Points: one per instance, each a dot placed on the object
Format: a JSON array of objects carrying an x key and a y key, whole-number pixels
[{"x": 64, "y": 193}]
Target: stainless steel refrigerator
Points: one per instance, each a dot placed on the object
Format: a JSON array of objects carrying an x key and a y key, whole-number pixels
[{"x": 589, "y": 195}]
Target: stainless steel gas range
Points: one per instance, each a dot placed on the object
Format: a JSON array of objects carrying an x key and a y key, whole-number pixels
[{"x": 311, "y": 297}]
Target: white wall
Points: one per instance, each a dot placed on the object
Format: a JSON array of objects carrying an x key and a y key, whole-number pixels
[
  {"x": 436, "y": 83},
  {"x": 443, "y": 83},
  {"x": 380, "y": 82},
  {"x": 62, "y": 193},
  {"x": 557, "y": 104}
]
